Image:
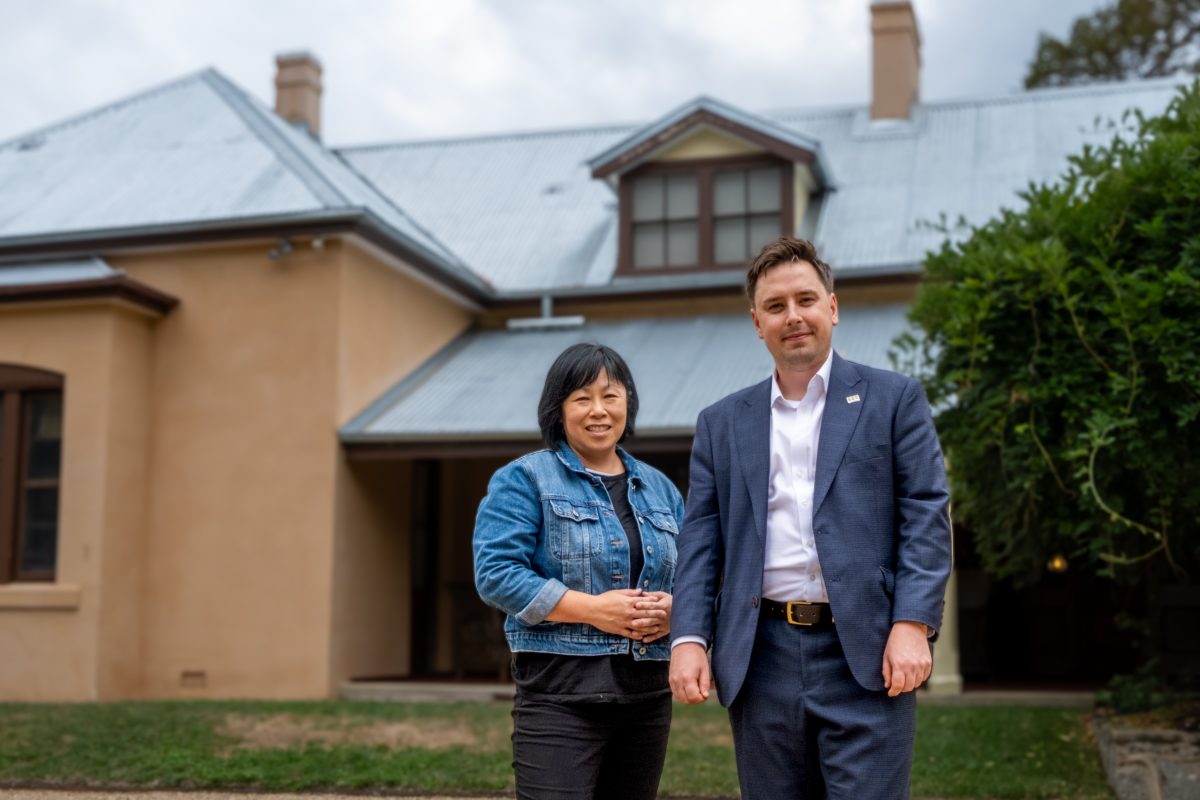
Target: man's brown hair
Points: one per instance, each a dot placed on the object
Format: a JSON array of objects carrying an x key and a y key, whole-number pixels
[{"x": 785, "y": 250}]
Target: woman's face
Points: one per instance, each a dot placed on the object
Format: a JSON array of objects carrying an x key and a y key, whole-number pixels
[{"x": 594, "y": 418}]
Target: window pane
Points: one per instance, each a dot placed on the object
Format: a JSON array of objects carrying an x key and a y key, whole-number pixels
[
  {"x": 763, "y": 229},
  {"x": 40, "y": 530},
  {"x": 683, "y": 197},
  {"x": 764, "y": 190},
  {"x": 648, "y": 198},
  {"x": 683, "y": 244},
  {"x": 729, "y": 193},
  {"x": 729, "y": 240},
  {"x": 45, "y": 435},
  {"x": 649, "y": 245}
]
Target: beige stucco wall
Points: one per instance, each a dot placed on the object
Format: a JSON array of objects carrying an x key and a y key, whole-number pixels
[
  {"x": 79, "y": 637},
  {"x": 371, "y": 628},
  {"x": 214, "y": 542},
  {"x": 389, "y": 324},
  {"x": 243, "y": 461},
  {"x": 259, "y": 534}
]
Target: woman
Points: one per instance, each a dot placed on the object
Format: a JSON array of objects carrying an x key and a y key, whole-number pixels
[{"x": 576, "y": 543}]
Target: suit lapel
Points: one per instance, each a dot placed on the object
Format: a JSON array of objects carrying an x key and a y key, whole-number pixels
[
  {"x": 837, "y": 423},
  {"x": 753, "y": 443}
]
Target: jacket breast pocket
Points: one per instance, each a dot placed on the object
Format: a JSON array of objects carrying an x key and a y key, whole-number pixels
[
  {"x": 574, "y": 530},
  {"x": 867, "y": 452},
  {"x": 666, "y": 531}
]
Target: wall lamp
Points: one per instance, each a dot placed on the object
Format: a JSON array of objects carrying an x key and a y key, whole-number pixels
[{"x": 282, "y": 248}]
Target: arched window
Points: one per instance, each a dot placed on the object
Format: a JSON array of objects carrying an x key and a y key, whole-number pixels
[{"x": 31, "y": 416}]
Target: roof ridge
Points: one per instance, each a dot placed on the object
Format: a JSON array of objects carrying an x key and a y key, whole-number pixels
[
  {"x": 107, "y": 108},
  {"x": 1019, "y": 96},
  {"x": 277, "y": 141},
  {"x": 485, "y": 137},
  {"x": 1042, "y": 93}
]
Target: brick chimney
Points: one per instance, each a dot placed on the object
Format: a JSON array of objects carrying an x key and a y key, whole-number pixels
[
  {"x": 298, "y": 90},
  {"x": 895, "y": 59}
]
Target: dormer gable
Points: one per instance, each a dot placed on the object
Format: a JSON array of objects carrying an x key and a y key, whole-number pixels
[{"x": 704, "y": 187}]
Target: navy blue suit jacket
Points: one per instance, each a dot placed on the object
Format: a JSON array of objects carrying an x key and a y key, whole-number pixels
[{"x": 880, "y": 520}]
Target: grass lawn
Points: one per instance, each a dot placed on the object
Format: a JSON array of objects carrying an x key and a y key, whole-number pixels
[{"x": 990, "y": 752}]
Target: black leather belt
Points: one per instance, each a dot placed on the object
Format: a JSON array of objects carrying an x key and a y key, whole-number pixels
[{"x": 798, "y": 612}]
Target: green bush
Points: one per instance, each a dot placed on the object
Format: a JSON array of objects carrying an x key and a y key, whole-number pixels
[
  {"x": 1139, "y": 691},
  {"x": 1062, "y": 342}
]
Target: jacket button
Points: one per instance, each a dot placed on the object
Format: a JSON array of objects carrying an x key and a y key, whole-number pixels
[
  {"x": 649, "y": 549},
  {"x": 754, "y": 602},
  {"x": 642, "y": 651}
]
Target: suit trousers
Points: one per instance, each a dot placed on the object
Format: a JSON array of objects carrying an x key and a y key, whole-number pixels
[
  {"x": 803, "y": 727},
  {"x": 589, "y": 751}
]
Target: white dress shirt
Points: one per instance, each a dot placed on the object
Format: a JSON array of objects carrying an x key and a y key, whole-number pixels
[{"x": 791, "y": 569}]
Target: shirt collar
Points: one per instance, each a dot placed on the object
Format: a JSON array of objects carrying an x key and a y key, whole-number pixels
[{"x": 820, "y": 381}]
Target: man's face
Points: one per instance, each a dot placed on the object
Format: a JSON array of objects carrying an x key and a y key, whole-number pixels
[{"x": 794, "y": 316}]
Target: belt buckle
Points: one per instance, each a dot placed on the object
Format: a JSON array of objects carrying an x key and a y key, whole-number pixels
[{"x": 792, "y": 620}]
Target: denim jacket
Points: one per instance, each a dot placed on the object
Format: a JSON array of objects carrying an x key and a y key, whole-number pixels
[{"x": 547, "y": 525}]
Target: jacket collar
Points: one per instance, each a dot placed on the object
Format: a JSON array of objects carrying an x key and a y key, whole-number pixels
[{"x": 570, "y": 459}]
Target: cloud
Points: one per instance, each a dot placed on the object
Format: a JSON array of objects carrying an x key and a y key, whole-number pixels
[{"x": 403, "y": 69}]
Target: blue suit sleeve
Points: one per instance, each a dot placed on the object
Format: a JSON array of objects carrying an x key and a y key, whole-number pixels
[
  {"x": 700, "y": 545},
  {"x": 507, "y": 529},
  {"x": 923, "y": 556}
]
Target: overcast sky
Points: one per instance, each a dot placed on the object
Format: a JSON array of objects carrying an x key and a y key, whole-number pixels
[{"x": 412, "y": 69}]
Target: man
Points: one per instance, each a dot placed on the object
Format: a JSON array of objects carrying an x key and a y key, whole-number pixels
[{"x": 814, "y": 553}]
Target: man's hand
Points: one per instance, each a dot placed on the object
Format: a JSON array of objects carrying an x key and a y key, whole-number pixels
[
  {"x": 653, "y": 620},
  {"x": 907, "y": 661},
  {"x": 690, "y": 678}
]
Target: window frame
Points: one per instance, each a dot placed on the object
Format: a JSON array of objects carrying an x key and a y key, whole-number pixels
[
  {"x": 705, "y": 171},
  {"x": 16, "y": 385}
]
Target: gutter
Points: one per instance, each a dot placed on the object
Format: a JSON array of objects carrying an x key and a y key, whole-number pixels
[{"x": 357, "y": 220}]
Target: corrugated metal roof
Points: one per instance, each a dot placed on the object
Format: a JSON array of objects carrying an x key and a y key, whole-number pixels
[
  {"x": 487, "y": 384},
  {"x": 32, "y": 274},
  {"x": 523, "y": 211},
  {"x": 195, "y": 150}
]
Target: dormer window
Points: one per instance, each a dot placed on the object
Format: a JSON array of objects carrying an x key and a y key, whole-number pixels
[
  {"x": 706, "y": 186},
  {"x": 706, "y": 215}
]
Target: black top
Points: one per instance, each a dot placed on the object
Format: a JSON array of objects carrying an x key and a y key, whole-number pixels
[
  {"x": 604, "y": 678},
  {"x": 618, "y": 491}
]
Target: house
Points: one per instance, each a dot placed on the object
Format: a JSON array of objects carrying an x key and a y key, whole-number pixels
[{"x": 252, "y": 387}]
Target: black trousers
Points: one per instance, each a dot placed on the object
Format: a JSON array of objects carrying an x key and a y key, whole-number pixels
[{"x": 589, "y": 751}]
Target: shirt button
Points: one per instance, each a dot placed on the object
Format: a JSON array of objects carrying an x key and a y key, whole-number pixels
[{"x": 812, "y": 577}]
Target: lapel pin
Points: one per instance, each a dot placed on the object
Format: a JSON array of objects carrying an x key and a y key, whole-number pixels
[{"x": 853, "y": 398}]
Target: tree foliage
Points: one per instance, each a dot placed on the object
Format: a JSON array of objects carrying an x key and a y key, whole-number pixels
[
  {"x": 1062, "y": 343},
  {"x": 1129, "y": 39}
]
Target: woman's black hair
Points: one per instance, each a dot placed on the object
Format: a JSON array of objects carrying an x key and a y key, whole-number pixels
[{"x": 575, "y": 368}]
